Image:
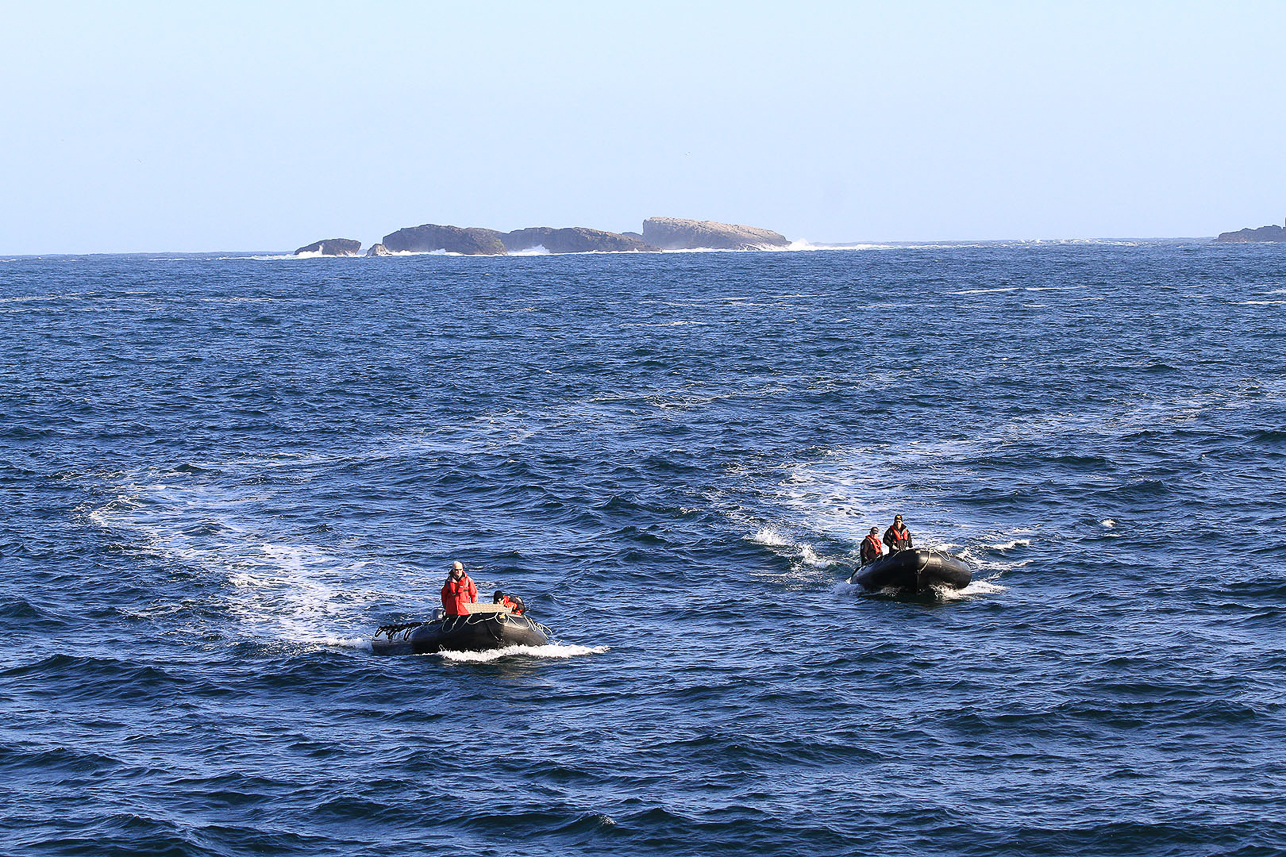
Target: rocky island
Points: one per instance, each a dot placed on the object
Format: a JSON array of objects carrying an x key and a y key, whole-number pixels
[
  {"x": 576, "y": 239},
  {"x": 475, "y": 241},
  {"x": 659, "y": 233},
  {"x": 1246, "y": 236},
  {"x": 332, "y": 247},
  {"x": 673, "y": 233}
]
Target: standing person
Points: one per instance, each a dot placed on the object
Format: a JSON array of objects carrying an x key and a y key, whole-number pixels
[
  {"x": 459, "y": 591},
  {"x": 871, "y": 547},
  {"x": 897, "y": 537}
]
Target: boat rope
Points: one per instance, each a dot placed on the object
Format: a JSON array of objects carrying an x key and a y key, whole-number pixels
[
  {"x": 398, "y": 628},
  {"x": 450, "y": 623}
]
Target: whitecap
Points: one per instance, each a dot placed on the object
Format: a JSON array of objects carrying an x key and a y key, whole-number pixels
[
  {"x": 768, "y": 537},
  {"x": 1007, "y": 546}
]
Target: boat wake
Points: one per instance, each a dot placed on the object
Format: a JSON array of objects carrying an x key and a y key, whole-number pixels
[
  {"x": 941, "y": 594},
  {"x": 553, "y": 651}
]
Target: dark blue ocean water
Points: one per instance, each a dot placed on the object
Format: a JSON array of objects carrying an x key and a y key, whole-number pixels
[{"x": 220, "y": 474}]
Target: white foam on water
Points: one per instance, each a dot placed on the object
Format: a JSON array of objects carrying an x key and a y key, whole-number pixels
[
  {"x": 838, "y": 498},
  {"x": 975, "y": 589},
  {"x": 278, "y": 586},
  {"x": 802, "y": 555},
  {"x": 768, "y": 537},
  {"x": 839, "y": 495},
  {"x": 556, "y": 651},
  {"x": 1009, "y": 545},
  {"x": 808, "y": 556}
]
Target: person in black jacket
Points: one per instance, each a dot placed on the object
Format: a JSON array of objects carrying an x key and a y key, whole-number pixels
[
  {"x": 897, "y": 537},
  {"x": 871, "y": 547}
]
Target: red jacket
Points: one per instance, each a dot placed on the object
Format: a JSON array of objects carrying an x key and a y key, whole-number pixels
[
  {"x": 871, "y": 549},
  {"x": 457, "y": 593}
]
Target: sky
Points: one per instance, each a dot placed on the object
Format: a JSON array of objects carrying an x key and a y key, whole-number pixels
[{"x": 139, "y": 127}]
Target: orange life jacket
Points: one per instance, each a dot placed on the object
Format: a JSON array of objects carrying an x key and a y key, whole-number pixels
[{"x": 895, "y": 538}]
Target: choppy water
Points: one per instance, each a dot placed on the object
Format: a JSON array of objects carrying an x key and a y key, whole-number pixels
[{"x": 221, "y": 474}]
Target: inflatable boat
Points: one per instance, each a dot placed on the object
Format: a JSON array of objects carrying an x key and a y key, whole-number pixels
[
  {"x": 486, "y": 627},
  {"x": 913, "y": 570}
]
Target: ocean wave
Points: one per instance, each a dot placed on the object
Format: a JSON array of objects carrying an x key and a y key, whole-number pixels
[
  {"x": 278, "y": 257},
  {"x": 801, "y": 554}
]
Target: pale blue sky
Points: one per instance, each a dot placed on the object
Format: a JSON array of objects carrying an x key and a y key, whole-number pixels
[{"x": 239, "y": 126}]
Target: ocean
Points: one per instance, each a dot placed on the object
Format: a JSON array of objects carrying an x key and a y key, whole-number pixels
[{"x": 221, "y": 473}]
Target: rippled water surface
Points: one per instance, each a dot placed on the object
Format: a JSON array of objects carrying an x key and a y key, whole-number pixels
[{"x": 220, "y": 474}]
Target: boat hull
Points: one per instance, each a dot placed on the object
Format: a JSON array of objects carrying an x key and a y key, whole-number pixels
[
  {"x": 913, "y": 570},
  {"x": 479, "y": 632}
]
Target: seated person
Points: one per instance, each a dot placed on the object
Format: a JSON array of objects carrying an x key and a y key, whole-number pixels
[
  {"x": 872, "y": 549},
  {"x": 514, "y": 603}
]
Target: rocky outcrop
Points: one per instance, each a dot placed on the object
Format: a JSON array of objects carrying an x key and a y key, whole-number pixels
[
  {"x": 574, "y": 239},
  {"x": 659, "y": 233},
  {"x": 332, "y": 247},
  {"x": 430, "y": 238},
  {"x": 1245, "y": 236},
  {"x": 673, "y": 233}
]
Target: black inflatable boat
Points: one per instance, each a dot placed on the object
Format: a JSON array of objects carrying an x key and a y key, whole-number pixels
[
  {"x": 913, "y": 570},
  {"x": 477, "y": 632}
]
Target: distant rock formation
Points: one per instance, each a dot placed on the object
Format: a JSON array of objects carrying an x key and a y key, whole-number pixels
[
  {"x": 452, "y": 239},
  {"x": 332, "y": 247},
  {"x": 673, "y": 233},
  {"x": 574, "y": 239},
  {"x": 659, "y": 233},
  {"x": 1245, "y": 236}
]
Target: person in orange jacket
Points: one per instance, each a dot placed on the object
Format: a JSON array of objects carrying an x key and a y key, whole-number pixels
[
  {"x": 459, "y": 591},
  {"x": 872, "y": 548},
  {"x": 513, "y": 603}
]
